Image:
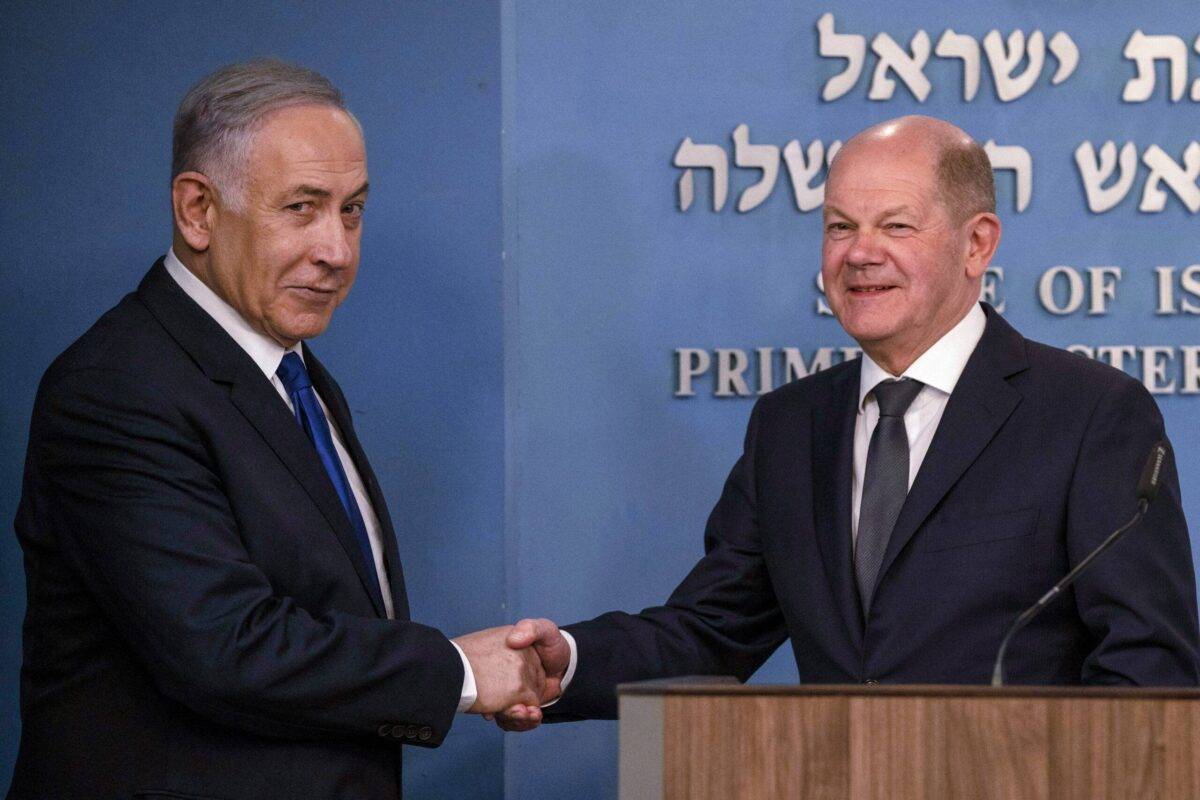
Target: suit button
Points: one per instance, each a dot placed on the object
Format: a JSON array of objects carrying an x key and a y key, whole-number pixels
[
  {"x": 397, "y": 731},
  {"x": 426, "y": 734},
  {"x": 870, "y": 681},
  {"x": 411, "y": 731}
]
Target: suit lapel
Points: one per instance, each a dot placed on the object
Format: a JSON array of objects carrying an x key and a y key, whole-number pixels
[
  {"x": 223, "y": 361},
  {"x": 833, "y": 422},
  {"x": 331, "y": 393},
  {"x": 979, "y": 405}
]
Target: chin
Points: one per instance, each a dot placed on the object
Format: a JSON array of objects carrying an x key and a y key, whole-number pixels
[
  {"x": 301, "y": 329},
  {"x": 866, "y": 327}
]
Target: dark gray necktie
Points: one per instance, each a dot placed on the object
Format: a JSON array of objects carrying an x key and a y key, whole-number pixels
[{"x": 885, "y": 482}]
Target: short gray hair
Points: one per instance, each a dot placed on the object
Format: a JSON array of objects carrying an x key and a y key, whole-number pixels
[
  {"x": 966, "y": 181},
  {"x": 216, "y": 121}
]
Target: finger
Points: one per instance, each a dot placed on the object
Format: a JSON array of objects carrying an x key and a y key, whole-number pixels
[
  {"x": 522, "y": 635},
  {"x": 519, "y": 719},
  {"x": 539, "y": 631},
  {"x": 514, "y": 726},
  {"x": 544, "y": 630}
]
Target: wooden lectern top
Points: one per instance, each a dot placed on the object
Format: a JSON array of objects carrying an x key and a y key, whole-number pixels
[
  {"x": 709, "y": 686},
  {"x": 706, "y": 738}
]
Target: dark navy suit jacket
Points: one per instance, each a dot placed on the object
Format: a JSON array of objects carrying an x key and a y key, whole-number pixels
[
  {"x": 1035, "y": 461},
  {"x": 200, "y": 622}
]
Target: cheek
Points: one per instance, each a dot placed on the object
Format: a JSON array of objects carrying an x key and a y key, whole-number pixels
[{"x": 831, "y": 260}]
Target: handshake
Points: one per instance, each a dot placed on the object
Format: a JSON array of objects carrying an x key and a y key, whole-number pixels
[{"x": 518, "y": 669}]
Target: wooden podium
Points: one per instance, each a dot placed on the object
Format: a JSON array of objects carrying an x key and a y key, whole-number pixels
[{"x": 703, "y": 738}]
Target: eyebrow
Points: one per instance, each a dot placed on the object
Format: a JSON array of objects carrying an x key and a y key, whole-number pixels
[
  {"x": 316, "y": 191},
  {"x": 887, "y": 212}
]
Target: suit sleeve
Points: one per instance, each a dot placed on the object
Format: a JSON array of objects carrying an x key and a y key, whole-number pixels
[
  {"x": 1138, "y": 599},
  {"x": 137, "y": 511},
  {"x": 723, "y": 619}
]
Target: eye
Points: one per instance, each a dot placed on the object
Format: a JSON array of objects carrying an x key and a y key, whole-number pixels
[
  {"x": 899, "y": 226},
  {"x": 354, "y": 209},
  {"x": 836, "y": 228},
  {"x": 301, "y": 207}
]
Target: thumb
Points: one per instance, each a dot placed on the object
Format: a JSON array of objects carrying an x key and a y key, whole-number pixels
[{"x": 522, "y": 635}]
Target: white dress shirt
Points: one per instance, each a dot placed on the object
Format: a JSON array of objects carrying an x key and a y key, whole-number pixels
[
  {"x": 267, "y": 354},
  {"x": 939, "y": 368}
]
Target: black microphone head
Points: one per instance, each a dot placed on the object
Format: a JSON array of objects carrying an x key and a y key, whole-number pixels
[{"x": 1152, "y": 472}]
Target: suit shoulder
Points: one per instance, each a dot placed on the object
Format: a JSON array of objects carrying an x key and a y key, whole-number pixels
[
  {"x": 127, "y": 337},
  {"x": 812, "y": 387},
  {"x": 1074, "y": 373}
]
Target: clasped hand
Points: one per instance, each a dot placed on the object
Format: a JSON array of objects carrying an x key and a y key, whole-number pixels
[{"x": 518, "y": 668}]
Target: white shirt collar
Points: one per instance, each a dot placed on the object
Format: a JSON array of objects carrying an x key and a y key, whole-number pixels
[
  {"x": 264, "y": 350},
  {"x": 940, "y": 366}
]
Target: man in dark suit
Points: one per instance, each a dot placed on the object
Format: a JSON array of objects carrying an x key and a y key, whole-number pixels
[
  {"x": 893, "y": 515},
  {"x": 216, "y": 605}
]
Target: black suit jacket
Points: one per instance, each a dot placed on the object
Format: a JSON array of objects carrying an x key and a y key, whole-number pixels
[
  {"x": 200, "y": 619},
  {"x": 1035, "y": 461}
]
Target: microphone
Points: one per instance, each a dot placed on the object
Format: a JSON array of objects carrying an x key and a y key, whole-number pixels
[{"x": 1147, "y": 489}]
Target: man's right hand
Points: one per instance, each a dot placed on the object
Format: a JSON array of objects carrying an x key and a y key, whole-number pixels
[
  {"x": 543, "y": 637},
  {"x": 504, "y": 676}
]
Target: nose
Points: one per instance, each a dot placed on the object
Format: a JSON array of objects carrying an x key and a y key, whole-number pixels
[
  {"x": 864, "y": 249},
  {"x": 333, "y": 244}
]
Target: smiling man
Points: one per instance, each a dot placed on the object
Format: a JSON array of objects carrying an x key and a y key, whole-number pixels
[
  {"x": 216, "y": 606},
  {"x": 893, "y": 514}
]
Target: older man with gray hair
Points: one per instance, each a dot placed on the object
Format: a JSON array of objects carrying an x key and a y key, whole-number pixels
[
  {"x": 893, "y": 514},
  {"x": 216, "y": 606}
]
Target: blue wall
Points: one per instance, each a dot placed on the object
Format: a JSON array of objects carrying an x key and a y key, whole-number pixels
[
  {"x": 528, "y": 274},
  {"x": 616, "y": 476},
  {"x": 88, "y": 97}
]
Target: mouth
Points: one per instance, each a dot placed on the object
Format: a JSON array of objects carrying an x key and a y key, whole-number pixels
[
  {"x": 870, "y": 291},
  {"x": 314, "y": 292}
]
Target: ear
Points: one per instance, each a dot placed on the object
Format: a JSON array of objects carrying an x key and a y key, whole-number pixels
[
  {"x": 192, "y": 199},
  {"x": 983, "y": 237}
]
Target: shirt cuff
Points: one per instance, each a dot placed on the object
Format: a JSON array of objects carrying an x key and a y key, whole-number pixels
[
  {"x": 469, "y": 692},
  {"x": 570, "y": 673}
]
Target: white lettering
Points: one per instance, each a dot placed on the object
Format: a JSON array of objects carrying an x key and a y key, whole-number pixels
[
  {"x": 1191, "y": 369},
  {"x": 1190, "y": 283},
  {"x": 1116, "y": 354},
  {"x": 989, "y": 288},
  {"x": 765, "y": 370},
  {"x": 763, "y": 157},
  {"x": 1074, "y": 290},
  {"x": 823, "y": 308},
  {"x": 1103, "y": 285},
  {"x": 691, "y": 156},
  {"x": 794, "y": 366},
  {"x": 1155, "y": 360},
  {"x": 692, "y": 363},
  {"x": 731, "y": 364}
]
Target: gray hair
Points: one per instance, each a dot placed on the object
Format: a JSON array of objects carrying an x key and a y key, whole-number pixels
[
  {"x": 966, "y": 181},
  {"x": 215, "y": 124}
]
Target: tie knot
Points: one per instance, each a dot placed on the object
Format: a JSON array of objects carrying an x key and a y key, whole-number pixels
[
  {"x": 293, "y": 374},
  {"x": 894, "y": 397}
]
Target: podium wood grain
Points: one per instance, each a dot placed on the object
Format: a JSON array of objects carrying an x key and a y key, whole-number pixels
[{"x": 920, "y": 742}]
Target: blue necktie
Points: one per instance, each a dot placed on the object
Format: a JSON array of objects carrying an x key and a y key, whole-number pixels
[{"x": 310, "y": 416}]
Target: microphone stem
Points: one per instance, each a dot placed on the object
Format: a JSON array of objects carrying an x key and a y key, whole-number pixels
[{"x": 1067, "y": 580}]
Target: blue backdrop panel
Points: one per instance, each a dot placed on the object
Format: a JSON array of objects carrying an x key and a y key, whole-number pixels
[
  {"x": 528, "y": 273},
  {"x": 614, "y": 475},
  {"x": 88, "y": 97}
]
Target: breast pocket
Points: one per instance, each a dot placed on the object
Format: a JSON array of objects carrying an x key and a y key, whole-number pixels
[{"x": 965, "y": 530}]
